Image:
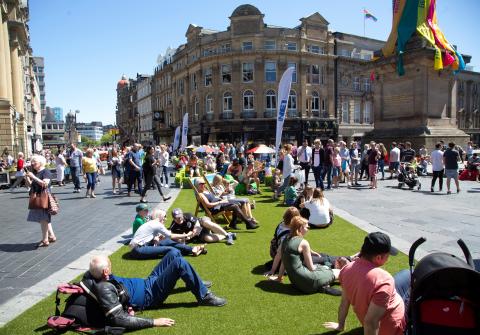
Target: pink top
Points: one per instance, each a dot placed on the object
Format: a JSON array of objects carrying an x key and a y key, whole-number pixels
[
  {"x": 363, "y": 283},
  {"x": 338, "y": 160}
]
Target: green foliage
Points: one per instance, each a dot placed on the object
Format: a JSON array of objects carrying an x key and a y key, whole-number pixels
[
  {"x": 255, "y": 305},
  {"x": 106, "y": 138},
  {"x": 89, "y": 142}
]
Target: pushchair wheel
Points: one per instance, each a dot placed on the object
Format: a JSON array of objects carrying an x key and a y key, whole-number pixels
[
  {"x": 400, "y": 185},
  {"x": 419, "y": 186}
]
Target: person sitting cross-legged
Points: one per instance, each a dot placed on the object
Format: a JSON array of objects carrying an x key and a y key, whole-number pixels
[
  {"x": 199, "y": 229},
  {"x": 153, "y": 239},
  {"x": 115, "y": 294}
]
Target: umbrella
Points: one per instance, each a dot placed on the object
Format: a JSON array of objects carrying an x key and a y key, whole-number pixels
[
  {"x": 205, "y": 148},
  {"x": 261, "y": 149}
]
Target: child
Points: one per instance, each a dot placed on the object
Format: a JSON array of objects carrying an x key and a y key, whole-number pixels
[
  {"x": 291, "y": 191},
  {"x": 141, "y": 218},
  {"x": 277, "y": 181},
  {"x": 304, "y": 197},
  {"x": 337, "y": 161}
]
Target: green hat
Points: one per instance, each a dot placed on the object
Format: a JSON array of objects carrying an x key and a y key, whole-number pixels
[{"x": 142, "y": 207}]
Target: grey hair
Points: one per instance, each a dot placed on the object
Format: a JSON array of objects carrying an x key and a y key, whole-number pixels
[
  {"x": 40, "y": 159},
  {"x": 97, "y": 265},
  {"x": 158, "y": 213}
]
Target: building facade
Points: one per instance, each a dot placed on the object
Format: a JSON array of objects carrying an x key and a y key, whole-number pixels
[
  {"x": 144, "y": 109},
  {"x": 468, "y": 102},
  {"x": 92, "y": 130},
  {"x": 19, "y": 124},
  {"x": 39, "y": 71},
  {"x": 54, "y": 131}
]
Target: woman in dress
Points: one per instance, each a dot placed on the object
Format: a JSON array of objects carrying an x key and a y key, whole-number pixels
[
  {"x": 296, "y": 256},
  {"x": 149, "y": 169},
  {"x": 116, "y": 165},
  {"x": 40, "y": 180}
]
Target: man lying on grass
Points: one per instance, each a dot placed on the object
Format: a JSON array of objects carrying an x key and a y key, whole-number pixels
[{"x": 115, "y": 294}]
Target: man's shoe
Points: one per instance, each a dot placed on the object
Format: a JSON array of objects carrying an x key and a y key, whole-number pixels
[
  {"x": 331, "y": 291},
  {"x": 207, "y": 283},
  {"x": 431, "y": 189},
  {"x": 229, "y": 240},
  {"x": 251, "y": 225},
  {"x": 234, "y": 236},
  {"x": 166, "y": 198},
  {"x": 211, "y": 299}
]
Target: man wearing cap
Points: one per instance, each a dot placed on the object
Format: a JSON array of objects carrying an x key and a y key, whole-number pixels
[
  {"x": 140, "y": 218},
  {"x": 203, "y": 229},
  {"x": 372, "y": 291}
]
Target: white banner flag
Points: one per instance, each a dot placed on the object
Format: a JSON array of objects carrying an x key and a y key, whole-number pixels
[
  {"x": 184, "y": 132},
  {"x": 283, "y": 93},
  {"x": 176, "y": 139}
]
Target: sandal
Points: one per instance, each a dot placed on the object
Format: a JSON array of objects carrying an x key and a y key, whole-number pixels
[
  {"x": 43, "y": 244},
  {"x": 52, "y": 239}
]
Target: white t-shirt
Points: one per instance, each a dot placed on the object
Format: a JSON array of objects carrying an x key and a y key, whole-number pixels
[
  {"x": 319, "y": 214},
  {"x": 287, "y": 166},
  {"x": 436, "y": 157},
  {"x": 147, "y": 232},
  {"x": 394, "y": 155}
]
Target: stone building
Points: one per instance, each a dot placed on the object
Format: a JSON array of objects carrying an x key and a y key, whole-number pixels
[
  {"x": 468, "y": 102},
  {"x": 19, "y": 124},
  {"x": 227, "y": 81},
  {"x": 144, "y": 108}
]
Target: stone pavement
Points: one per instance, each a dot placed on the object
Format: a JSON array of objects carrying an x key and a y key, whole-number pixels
[
  {"x": 82, "y": 225},
  {"x": 406, "y": 215}
]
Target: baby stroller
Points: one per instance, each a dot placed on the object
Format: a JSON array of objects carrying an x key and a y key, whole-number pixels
[
  {"x": 408, "y": 176},
  {"x": 445, "y": 294}
]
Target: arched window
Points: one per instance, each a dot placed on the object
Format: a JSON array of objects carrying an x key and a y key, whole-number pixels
[
  {"x": 209, "y": 104},
  {"x": 271, "y": 103},
  {"x": 227, "y": 102},
  {"x": 248, "y": 101},
  {"x": 315, "y": 104},
  {"x": 292, "y": 101},
  {"x": 196, "y": 108}
]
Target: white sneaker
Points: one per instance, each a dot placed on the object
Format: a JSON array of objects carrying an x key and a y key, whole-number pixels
[{"x": 166, "y": 185}]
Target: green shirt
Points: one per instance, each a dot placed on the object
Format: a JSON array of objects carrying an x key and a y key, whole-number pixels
[
  {"x": 138, "y": 222},
  {"x": 290, "y": 193}
]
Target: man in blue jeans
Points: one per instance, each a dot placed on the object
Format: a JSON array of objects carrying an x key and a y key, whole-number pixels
[
  {"x": 76, "y": 156},
  {"x": 328, "y": 163},
  {"x": 134, "y": 167},
  {"x": 109, "y": 290}
]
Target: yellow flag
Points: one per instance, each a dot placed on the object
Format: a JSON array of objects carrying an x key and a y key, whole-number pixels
[{"x": 389, "y": 47}]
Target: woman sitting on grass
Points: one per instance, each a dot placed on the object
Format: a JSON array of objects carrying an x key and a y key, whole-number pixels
[
  {"x": 319, "y": 208},
  {"x": 223, "y": 189},
  {"x": 291, "y": 191},
  {"x": 304, "y": 197},
  {"x": 153, "y": 239},
  {"x": 296, "y": 256}
]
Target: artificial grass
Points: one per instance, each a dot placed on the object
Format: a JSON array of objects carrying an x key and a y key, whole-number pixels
[{"x": 255, "y": 305}]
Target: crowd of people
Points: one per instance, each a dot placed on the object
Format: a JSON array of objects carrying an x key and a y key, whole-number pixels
[{"x": 308, "y": 208}]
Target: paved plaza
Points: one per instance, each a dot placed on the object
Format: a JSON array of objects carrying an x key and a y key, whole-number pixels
[{"x": 86, "y": 226}]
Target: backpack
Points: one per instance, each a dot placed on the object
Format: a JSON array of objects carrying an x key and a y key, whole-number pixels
[
  {"x": 82, "y": 313},
  {"x": 275, "y": 242}
]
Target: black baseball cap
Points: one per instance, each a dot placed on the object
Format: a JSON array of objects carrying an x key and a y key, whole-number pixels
[{"x": 378, "y": 243}]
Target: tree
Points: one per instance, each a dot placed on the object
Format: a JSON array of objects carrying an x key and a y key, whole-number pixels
[
  {"x": 106, "y": 138},
  {"x": 89, "y": 142}
]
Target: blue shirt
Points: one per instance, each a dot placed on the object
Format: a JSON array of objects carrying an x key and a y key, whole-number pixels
[
  {"x": 135, "y": 288},
  {"x": 135, "y": 157},
  {"x": 76, "y": 158}
]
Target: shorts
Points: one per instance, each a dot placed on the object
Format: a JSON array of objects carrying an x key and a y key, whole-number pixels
[
  {"x": 355, "y": 168},
  {"x": 372, "y": 170},
  {"x": 393, "y": 166},
  {"x": 451, "y": 173},
  {"x": 335, "y": 171}
]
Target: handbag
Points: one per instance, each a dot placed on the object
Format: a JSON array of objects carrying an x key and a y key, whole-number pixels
[
  {"x": 38, "y": 200},
  {"x": 53, "y": 206}
]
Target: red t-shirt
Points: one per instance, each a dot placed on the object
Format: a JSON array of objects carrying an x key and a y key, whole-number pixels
[
  {"x": 20, "y": 164},
  {"x": 363, "y": 283}
]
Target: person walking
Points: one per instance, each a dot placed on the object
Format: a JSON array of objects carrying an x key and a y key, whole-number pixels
[
  {"x": 382, "y": 159},
  {"x": 40, "y": 181},
  {"x": 134, "y": 168},
  {"x": 373, "y": 157},
  {"x": 89, "y": 164},
  {"x": 436, "y": 158},
  {"x": 162, "y": 158},
  {"x": 394, "y": 160},
  {"x": 328, "y": 163},
  {"x": 450, "y": 159},
  {"x": 60, "y": 163},
  {"x": 317, "y": 163},
  {"x": 150, "y": 174},
  {"x": 75, "y": 166},
  {"x": 115, "y": 163},
  {"x": 304, "y": 156}
]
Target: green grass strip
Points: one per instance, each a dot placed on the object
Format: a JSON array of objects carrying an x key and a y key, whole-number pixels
[{"x": 255, "y": 305}]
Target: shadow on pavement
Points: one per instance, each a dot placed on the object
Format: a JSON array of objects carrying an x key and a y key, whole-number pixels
[
  {"x": 18, "y": 247},
  {"x": 128, "y": 203}
]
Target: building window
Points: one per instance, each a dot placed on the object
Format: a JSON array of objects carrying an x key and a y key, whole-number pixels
[
  {"x": 209, "y": 104},
  {"x": 271, "y": 71},
  {"x": 356, "y": 111},
  {"x": 225, "y": 48},
  {"x": 270, "y": 45},
  {"x": 247, "y": 72},
  {"x": 366, "y": 84},
  {"x": 315, "y": 104},
  {"x": 208, "y": 77},
  {"x": 345, "y": 112},
  {"x": 194, "y": 81},
  {"x": 248, "y": 97},
  {"x": 196, "y": 107},
  {"x": 291, "y": 46},
  {"x": 292, "y": 101},
  {"x": 460, "y": 101},
  {"x": 181, "y": 87},
  {"x": 324, "y": 106},
  {"x": 356, "y": 84},
  {"x": 271, "y": 102},
  {"x": 315, "y": 49},
  {"x": 313, "y": 74},
  {"x": 226, "y": 73},
  {"x": 247, "y": 46},
  {"x": 367, "y": 113},
  {"x": 294, "y": 74},
  {"x": 227, "y": 102}
]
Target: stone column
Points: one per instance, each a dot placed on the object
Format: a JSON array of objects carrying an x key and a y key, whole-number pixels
[
  {"x": 5, "y": 55},
  {"x": 17, "y": 80},
  {"x": 3, "y": 66}
]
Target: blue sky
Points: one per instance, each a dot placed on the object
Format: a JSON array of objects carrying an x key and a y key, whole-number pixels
[{"x": 89, "y": 44}]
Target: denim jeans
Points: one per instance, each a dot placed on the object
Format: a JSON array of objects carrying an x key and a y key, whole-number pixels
[
  {"x": 185, "y": 249},
  {"x": 327, "y": 171},
  {"x": 286, "y": 181},
  {"x": 132, "y": 176},
  {"x": 91, "y": 180},
  {"x": 164, "y": 277},
  {"x": 75, "y": 173},
  {"x": 402, "y": 286},
  {"x": 317, "y": 173},
  {"x": 149, "y": 251},
  {"x": 164, "y": 172},
  {"x": 381, "y": 167}
]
